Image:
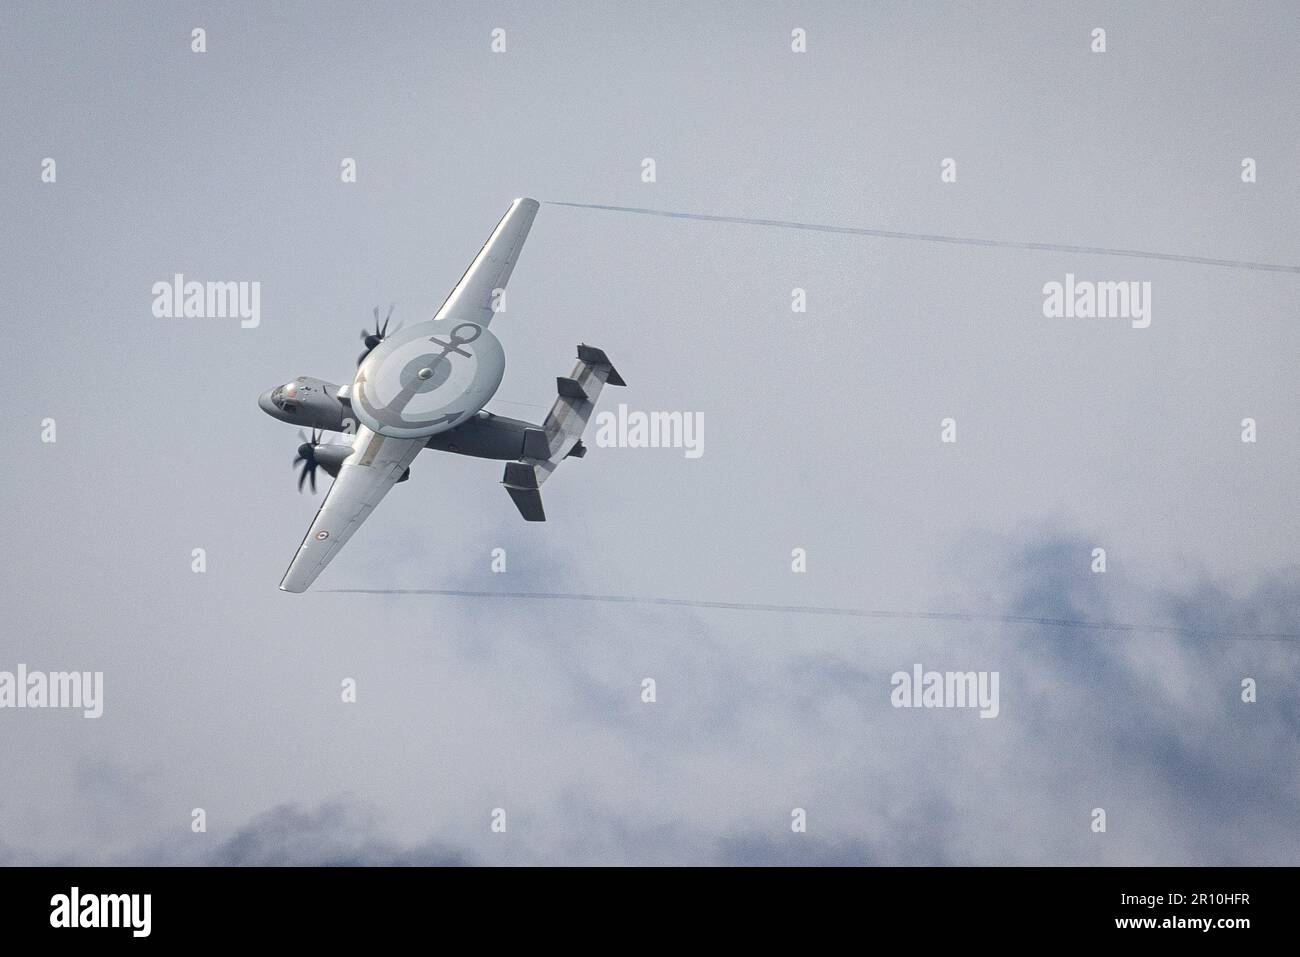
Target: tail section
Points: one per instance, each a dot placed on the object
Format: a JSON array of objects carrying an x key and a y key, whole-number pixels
[
  {"x": 561, "y": 434},
  {"x": 521, "y": 482}
]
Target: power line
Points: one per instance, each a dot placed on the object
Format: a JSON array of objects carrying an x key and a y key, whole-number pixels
[{"x": 937, "y": 238}]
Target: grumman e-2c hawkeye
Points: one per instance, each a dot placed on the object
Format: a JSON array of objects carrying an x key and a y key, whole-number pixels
[{"x": 425, "y": 386}]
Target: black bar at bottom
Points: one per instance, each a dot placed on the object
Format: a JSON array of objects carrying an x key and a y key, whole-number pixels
[{"x": 331, "y": 905}]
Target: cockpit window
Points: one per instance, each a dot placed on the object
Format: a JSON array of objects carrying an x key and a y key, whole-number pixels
[{"x": 285, "y": 397}]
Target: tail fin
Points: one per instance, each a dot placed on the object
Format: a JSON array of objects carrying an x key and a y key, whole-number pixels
[{"x": 561, "y": 434}]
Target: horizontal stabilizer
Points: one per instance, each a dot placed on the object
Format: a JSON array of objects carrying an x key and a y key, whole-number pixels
[
  {"x": 578, "y": 451},
  {"x": 596, "y": 357},
  {"x": 521, "y": 482},
  {"x": 529, "y": 503}
]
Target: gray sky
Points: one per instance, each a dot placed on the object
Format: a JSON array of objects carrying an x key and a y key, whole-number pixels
[{"x": 821, "y": 431}]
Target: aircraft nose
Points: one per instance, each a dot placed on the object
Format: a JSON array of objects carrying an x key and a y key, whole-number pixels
[{"x": 265, "y": 404}]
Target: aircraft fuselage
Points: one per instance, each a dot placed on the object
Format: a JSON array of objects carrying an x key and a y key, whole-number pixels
[{"x": 316, "y": 404}]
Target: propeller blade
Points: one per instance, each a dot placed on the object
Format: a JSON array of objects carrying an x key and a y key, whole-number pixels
[
  {"x": 372, "y": 339},
  {"x": 307, "y": 456}
]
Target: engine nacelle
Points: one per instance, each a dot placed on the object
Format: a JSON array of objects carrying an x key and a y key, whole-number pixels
[{"x": 330, "y": 458}]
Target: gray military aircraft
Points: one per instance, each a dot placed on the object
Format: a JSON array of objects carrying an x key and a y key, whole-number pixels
[{"x": 425, "y": 387}]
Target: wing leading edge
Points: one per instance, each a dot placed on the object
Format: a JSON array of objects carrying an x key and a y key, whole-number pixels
[
  {"x": 376, "y": 464},
  {"x": 472, "y": 299}
]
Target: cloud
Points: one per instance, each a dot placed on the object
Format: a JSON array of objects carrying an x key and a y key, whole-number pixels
[
  {"x": 760, "y": 713},
  {"x": 338, "y": 833}
]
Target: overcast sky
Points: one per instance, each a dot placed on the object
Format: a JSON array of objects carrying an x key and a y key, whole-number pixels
[{"x": 822, "y": 432}]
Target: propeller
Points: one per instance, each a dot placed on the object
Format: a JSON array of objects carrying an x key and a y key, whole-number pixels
[
  {"x": 372, "y": 339},
  {"x": 307, "y": 456}
]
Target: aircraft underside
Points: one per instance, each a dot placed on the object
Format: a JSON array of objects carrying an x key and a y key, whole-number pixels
[{"x": 425, "y": 387}]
